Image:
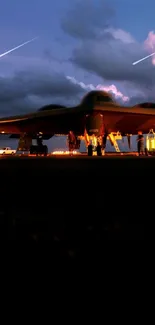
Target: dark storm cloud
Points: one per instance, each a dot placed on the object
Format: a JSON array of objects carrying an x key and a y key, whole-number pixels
[
  {"x": 142, "y": 99},
  {"x": 32, "y": 89},
  {"x": 85, "y": 21},
  {"x": 50, "y": 57},
  {"x": 106, "y": 52},
  {"x": 113, "y": 61}
]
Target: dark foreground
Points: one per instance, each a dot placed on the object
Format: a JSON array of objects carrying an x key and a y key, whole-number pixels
[{"x": 74, "y": 203}]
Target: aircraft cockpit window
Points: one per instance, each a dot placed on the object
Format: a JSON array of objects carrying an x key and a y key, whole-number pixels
[
  {"x": 103, "y": 99},
  {"x": 146, "y": 105}
]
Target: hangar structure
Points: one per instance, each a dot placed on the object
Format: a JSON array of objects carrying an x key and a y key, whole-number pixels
[{"x": 95, "y": 119}]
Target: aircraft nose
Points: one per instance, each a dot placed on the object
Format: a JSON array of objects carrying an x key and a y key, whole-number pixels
[{"x": 94, "y": 124}]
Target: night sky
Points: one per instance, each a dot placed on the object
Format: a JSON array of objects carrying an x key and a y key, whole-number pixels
[{"x": 82, "y": 45}]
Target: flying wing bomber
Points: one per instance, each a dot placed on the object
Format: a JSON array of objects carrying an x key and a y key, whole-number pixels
[{"x": 95, "y": 119}]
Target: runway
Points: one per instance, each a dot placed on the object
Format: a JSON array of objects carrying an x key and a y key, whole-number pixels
[
  {"x": 73, "y": 202},
  {"x": 82, "y": 163}
]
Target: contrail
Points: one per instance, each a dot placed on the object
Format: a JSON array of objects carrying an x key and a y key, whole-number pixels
[
  {"x": 17, "y": 47},
  {"x": 146, "y": 57}
]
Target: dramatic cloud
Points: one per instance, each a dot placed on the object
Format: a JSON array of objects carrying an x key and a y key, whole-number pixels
[
  {"x": 111, "y": 89},
  {"x": 109, "y": 52},
  {"x": 113, "y": 60},
  {"x": 86, "y": 21},
  {"x": 105, "y": 52},
  {"x": 31, "y": 89},
  {"x": 150, "y": 44}
]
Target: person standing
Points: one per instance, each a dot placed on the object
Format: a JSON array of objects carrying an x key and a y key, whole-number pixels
[{"x": 140, "y": 143}]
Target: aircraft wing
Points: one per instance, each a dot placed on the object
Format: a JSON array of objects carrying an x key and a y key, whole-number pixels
[
  {"x": 126, "y": 120},
  {"x": 129, "y": 120},
  {"x": 49, "y": 122},
  {"x": 11, "y": 124}
]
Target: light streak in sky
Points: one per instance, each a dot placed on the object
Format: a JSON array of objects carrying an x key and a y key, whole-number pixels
[
  {"x": 17, "y": 47},
  {"x": 146, "y": 57}
]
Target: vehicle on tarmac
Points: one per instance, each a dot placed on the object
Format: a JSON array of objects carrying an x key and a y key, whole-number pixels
[{"x": 7, "y": 151}]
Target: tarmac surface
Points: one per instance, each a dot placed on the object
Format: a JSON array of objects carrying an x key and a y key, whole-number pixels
[{"x": 75, "y": 203}]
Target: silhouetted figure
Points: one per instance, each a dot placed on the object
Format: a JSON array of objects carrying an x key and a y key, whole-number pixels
[
  {"x": 140, "y": 143},
  {"x": 146, "y": 152}
]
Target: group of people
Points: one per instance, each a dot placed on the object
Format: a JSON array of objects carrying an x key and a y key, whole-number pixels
[{"x": 141, "y": 148}]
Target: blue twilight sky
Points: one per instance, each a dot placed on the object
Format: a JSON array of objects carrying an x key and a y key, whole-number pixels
[
  {"x": 21, "y": 20},
  {"x": 92, "y": 42}
]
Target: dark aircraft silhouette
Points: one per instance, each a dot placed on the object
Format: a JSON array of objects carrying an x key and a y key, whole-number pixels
[{"x": 97, "y": 117}]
